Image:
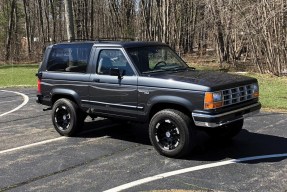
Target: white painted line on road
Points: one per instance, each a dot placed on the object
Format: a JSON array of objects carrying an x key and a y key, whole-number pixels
[
  {"x": 25, "y": 97},
  {"x": 32, "y": 145},
  {"x": 9, "y": 101},
  {"x": 191, "y": 169}
]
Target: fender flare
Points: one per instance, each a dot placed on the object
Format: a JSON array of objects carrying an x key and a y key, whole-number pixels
[
  {"x": 66, "y": 92},
  {"x": 169, "y": 99}
]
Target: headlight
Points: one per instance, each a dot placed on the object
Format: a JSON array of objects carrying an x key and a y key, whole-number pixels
[
  {"x": 255, "y": 90},
  {"x": 217, "y": 96},
  {"x": 213, "y": 100}
]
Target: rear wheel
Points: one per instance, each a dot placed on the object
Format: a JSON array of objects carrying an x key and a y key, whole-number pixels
[
  {"x": 66, "y": 117},
  {"x": 171, "y": 133},
  {"x": 227, "y": 131}
]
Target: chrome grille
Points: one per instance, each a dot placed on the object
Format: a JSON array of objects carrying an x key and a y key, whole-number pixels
[{"x": 237, "y": 95}]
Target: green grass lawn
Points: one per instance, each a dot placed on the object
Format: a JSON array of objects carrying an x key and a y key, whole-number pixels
[
  {"x": 273, "y": 90},
  {"x": 18, "y": 75}
]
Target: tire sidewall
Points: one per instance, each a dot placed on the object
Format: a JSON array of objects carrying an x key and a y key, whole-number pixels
[
  {"x": 184, "y": 130},
  {"x": 71, "y": 108}
]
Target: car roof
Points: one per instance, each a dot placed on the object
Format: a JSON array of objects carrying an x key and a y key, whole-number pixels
[{"x": 124, "y": 44}]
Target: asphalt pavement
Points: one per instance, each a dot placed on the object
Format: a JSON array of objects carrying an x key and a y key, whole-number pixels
[{"x": 106, "y": 155}]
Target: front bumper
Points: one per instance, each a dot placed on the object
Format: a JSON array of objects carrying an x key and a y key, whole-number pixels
[{"x": 216, "y": 120}]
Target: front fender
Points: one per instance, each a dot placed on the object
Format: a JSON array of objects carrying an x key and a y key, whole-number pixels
[{"x": 175, "y": 100}]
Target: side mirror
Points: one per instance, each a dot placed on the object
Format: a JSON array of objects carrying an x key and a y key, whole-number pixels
[{"x": 116, "y": 72}]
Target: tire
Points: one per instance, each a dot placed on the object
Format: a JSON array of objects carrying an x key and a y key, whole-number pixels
[
  {"x": 66, "y": 117},
  {"x": 171, "y": 133},
  {"x": 226, "y": 132}
]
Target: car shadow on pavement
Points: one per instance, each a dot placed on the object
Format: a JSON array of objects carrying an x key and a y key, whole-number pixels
[
  {"x": 246, "y": 144},
  {"x": 137, "y": 133}
]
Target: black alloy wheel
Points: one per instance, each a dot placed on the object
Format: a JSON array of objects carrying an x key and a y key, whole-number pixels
[
  {"x": 62, "y": 117},
  {"x": 167, "y": 134},
  {"x": 67, "y": 117},
  {"x": 172, "y": 133}
]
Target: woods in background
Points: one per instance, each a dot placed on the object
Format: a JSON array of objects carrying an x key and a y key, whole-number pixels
[{"x": 237, "y": 30}]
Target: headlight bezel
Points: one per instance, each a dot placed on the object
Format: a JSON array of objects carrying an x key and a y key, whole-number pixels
[
  {"x": 217, "y": 96},
  {"x": 255, "y": 90},
  {"x": 213, "y": 100}
]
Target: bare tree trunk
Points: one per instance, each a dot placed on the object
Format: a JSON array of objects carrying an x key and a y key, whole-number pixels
[
  {"x": 43, "y": 39},
  {"x": 54, "y": 21},
  {"x": 92, "y": 19},
  {"x": 202, "y": 30},
  {"x": 27, "y": 26},
  {"x": 69, "y": 20},
  {"x": 46, "y": 12},
  {"x": 10, "y": 28},
  {"x": 219, "y": 32},
  {"x": 86, "y": 19}
]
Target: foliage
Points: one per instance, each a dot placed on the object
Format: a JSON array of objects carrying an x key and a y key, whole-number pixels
[{"x": 237, "y": 31}]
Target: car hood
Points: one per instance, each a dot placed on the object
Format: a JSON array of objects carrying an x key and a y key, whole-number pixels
[{"x": 213, "y": 80}]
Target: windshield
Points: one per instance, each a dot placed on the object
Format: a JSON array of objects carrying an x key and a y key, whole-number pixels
[{"x": 155, "y": 59}]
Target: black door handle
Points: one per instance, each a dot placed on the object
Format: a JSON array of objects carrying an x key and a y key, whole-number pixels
[{"x": 96, "y": 80}]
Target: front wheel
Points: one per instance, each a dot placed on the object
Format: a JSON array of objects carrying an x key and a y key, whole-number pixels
[
  {"x": 227, "y": 131},
  {"x": 67, "y": 117},
  {"x": 171, "y": 133}
]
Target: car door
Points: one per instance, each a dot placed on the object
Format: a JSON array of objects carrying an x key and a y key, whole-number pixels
[{"x": 110, "y": 94}]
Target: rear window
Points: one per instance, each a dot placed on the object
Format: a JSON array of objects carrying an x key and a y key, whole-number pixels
[{"x": 69, "y": 57}]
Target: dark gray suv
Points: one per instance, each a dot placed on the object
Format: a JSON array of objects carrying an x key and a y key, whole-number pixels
[{"x": 144, "y": 82}]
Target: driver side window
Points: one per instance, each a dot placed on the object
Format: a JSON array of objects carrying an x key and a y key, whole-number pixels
[{"x": 113, "y": 59}]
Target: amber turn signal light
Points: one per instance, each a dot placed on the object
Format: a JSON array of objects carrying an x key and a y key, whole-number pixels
[{"x": 213, "y": 100}]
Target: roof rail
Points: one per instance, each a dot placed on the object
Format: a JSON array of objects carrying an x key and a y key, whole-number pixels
[
  {"x": 66, "y": 40},
  {"x": 115, "y": 39},
  {"x": 102, "y": 39}
]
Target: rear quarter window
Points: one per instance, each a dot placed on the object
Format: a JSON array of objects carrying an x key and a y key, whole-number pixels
[{"x": 69, "y": 58}]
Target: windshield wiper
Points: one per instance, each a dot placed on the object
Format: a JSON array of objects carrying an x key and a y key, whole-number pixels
[
  {"x": 153, "y": 71},
  {"x": 177, "y": 69},
  {"x": 167, "y": 69}
]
